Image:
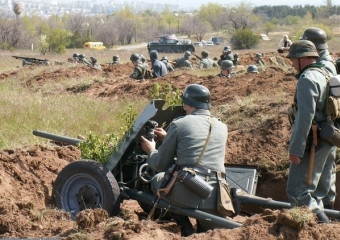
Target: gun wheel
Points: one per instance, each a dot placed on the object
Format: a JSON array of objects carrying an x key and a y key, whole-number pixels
[{"x": 86, "y": 184}]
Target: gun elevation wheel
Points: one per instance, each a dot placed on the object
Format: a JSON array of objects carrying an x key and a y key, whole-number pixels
[{"x": 86, "y": 184}]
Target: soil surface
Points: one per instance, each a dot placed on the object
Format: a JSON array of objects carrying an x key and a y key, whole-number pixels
[{"x": 27, "y": 174}]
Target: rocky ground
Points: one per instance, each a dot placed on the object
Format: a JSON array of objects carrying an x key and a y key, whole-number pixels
[{"x": 27, "y": 174}]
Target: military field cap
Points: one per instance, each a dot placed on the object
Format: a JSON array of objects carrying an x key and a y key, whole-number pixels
[
  {"x": 204, "y": 53},
  {"x": 302, "y": 48}
]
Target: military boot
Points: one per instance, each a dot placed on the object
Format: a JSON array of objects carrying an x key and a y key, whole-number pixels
[{"x": 184, "y": 223}]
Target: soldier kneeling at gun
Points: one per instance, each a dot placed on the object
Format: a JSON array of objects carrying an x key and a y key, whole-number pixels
[{"x": 184, "y": 140}]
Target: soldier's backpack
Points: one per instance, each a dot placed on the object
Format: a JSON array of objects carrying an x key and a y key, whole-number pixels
[
  {"x": 333, "y": 100},
  {"x": 337, "y": 66}
]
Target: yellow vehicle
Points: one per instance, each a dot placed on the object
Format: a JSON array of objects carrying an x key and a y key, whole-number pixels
[{"x": 94, "y": 45}]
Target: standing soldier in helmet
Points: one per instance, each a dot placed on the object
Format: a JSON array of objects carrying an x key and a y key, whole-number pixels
[
  {"x": 168, "y": 65},
  {"x": 184, "y": 140},
  {"x": 206, "y": 62},
  {"x": 226, "y": 55},
  {"x": 185, "y": 61},
  {"x": 140, "y": 71},
  {"x": 227, "y": 69},
  {"x": 115, "y": 60},
  {"x": 319, "y": 38},
  {"x": 306, "y": 149}
]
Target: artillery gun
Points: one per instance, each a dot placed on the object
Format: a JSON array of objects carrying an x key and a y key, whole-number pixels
[
  {"x": 33, "y": 61},
  {"x": 88, "y": 184},
  {"x": 170, "y": 44}
]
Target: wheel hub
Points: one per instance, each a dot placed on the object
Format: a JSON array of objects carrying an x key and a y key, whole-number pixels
[{"x": 88, "y": 197}]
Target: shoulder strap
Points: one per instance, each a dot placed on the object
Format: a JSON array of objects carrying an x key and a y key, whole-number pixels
[{"x": 206, "y": 141}]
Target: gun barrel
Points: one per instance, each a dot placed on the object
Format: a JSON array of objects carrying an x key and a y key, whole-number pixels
[{"x": 58, "y": 138}]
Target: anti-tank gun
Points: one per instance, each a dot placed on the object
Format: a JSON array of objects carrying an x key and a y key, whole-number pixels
[
  {"x": 33, "y": 61},
  {"x": 88, "y": 184}
]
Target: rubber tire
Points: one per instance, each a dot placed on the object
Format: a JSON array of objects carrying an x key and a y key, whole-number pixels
[{"x": 82, "y": 174}]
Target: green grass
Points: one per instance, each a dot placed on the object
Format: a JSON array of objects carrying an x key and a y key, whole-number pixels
[{"x": 23, "y": 111}]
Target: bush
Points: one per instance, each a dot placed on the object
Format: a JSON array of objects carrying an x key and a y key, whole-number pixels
[{"x": 245, "y": 39}]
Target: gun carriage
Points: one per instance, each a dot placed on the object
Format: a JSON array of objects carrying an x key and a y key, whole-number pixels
[{"x": 88, "y": 184}]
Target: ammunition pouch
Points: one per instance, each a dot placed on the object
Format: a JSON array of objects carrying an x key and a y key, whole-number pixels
[
  {"x": 194, "y": 183},
  {"x": 292, "y": 113}
]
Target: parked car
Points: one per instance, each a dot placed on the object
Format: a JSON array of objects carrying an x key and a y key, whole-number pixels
[
  {"x": 209, "y": 43},
  {"x": 198, "y": 44}
]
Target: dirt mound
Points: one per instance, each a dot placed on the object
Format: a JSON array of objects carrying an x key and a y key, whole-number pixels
[{"x": 257, "y": 101}]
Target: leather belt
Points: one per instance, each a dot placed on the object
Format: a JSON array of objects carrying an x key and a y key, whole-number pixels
[{"x": 204, "y": 171}]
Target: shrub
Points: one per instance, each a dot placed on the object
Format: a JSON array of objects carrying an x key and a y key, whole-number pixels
[{"x": 245, "y": 39}]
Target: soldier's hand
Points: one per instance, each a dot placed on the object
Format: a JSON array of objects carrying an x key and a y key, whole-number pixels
[
  {"x": 147, "y": 145},
  {"x": 294, "y": 159},
  {"x": 160, "y": 133}
]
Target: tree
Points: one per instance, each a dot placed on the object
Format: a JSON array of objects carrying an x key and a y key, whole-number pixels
[
  {"x": 200, "y": 28},
  {"x": 212, "y": 13},
  {"x": 244, "y": 39},
  {"x": 57, "y": 41},
  {"x": 78, "y": 25},
  {"x": 241, "y": 16},
  {"x": 269, "y": 27}
]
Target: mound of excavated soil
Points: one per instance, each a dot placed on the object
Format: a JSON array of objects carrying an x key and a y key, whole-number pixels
[{"x": 27, "y": 175}]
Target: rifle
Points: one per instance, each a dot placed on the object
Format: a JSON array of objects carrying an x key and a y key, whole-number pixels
[
  {"x": 196, "y": 56},
  {"x": 170, "y": 177},
  {"x": 34, "y": 60}
]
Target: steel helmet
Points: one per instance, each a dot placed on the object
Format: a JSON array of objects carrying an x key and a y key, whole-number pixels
[
  {"x": 197, "y": 96},
  {"x": 227, "y": 49},
  {"x": 115, "y": 58},
  {"x": 205, "y": 54},
  {"x": 75, "y": 55},
  {"x": 142, "y": 58},
  {"x": 317, "y": 36},
  {"x": 227, "y": 64},
  {"x": 252, "y": 69},
  {"x": 258, "y": 55},
  {"x": 187, "y": 54},
  {"x": 165, "y": 58},
  {"x": 302, "y": 48},
  {"x": 134, "y": 57},
  {"x": 81, "y": 56},
  {"x": 94, "y": 60}
]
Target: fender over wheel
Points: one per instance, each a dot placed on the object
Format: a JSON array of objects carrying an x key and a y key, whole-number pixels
[{"x": 86, "y": 184}]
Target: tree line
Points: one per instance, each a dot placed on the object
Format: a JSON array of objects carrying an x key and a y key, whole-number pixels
[{"x": 54, "y": 34}]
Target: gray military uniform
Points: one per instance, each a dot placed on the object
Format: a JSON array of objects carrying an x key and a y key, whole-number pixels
[
  {"x": 183, "y": 62},
  {"x": 326, "y": 59},
  {"x": 311, "y": 100},
  {"x": 207, "y": 63},
  {"x": 185, "y": 139},
  {"x": 139, "y": 71}
]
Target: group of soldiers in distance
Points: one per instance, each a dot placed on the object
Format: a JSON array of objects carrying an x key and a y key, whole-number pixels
[{"x": 227, "y": 62}]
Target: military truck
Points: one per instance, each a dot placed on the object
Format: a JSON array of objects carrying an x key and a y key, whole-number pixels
[{"x": 168, "y": 43}]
